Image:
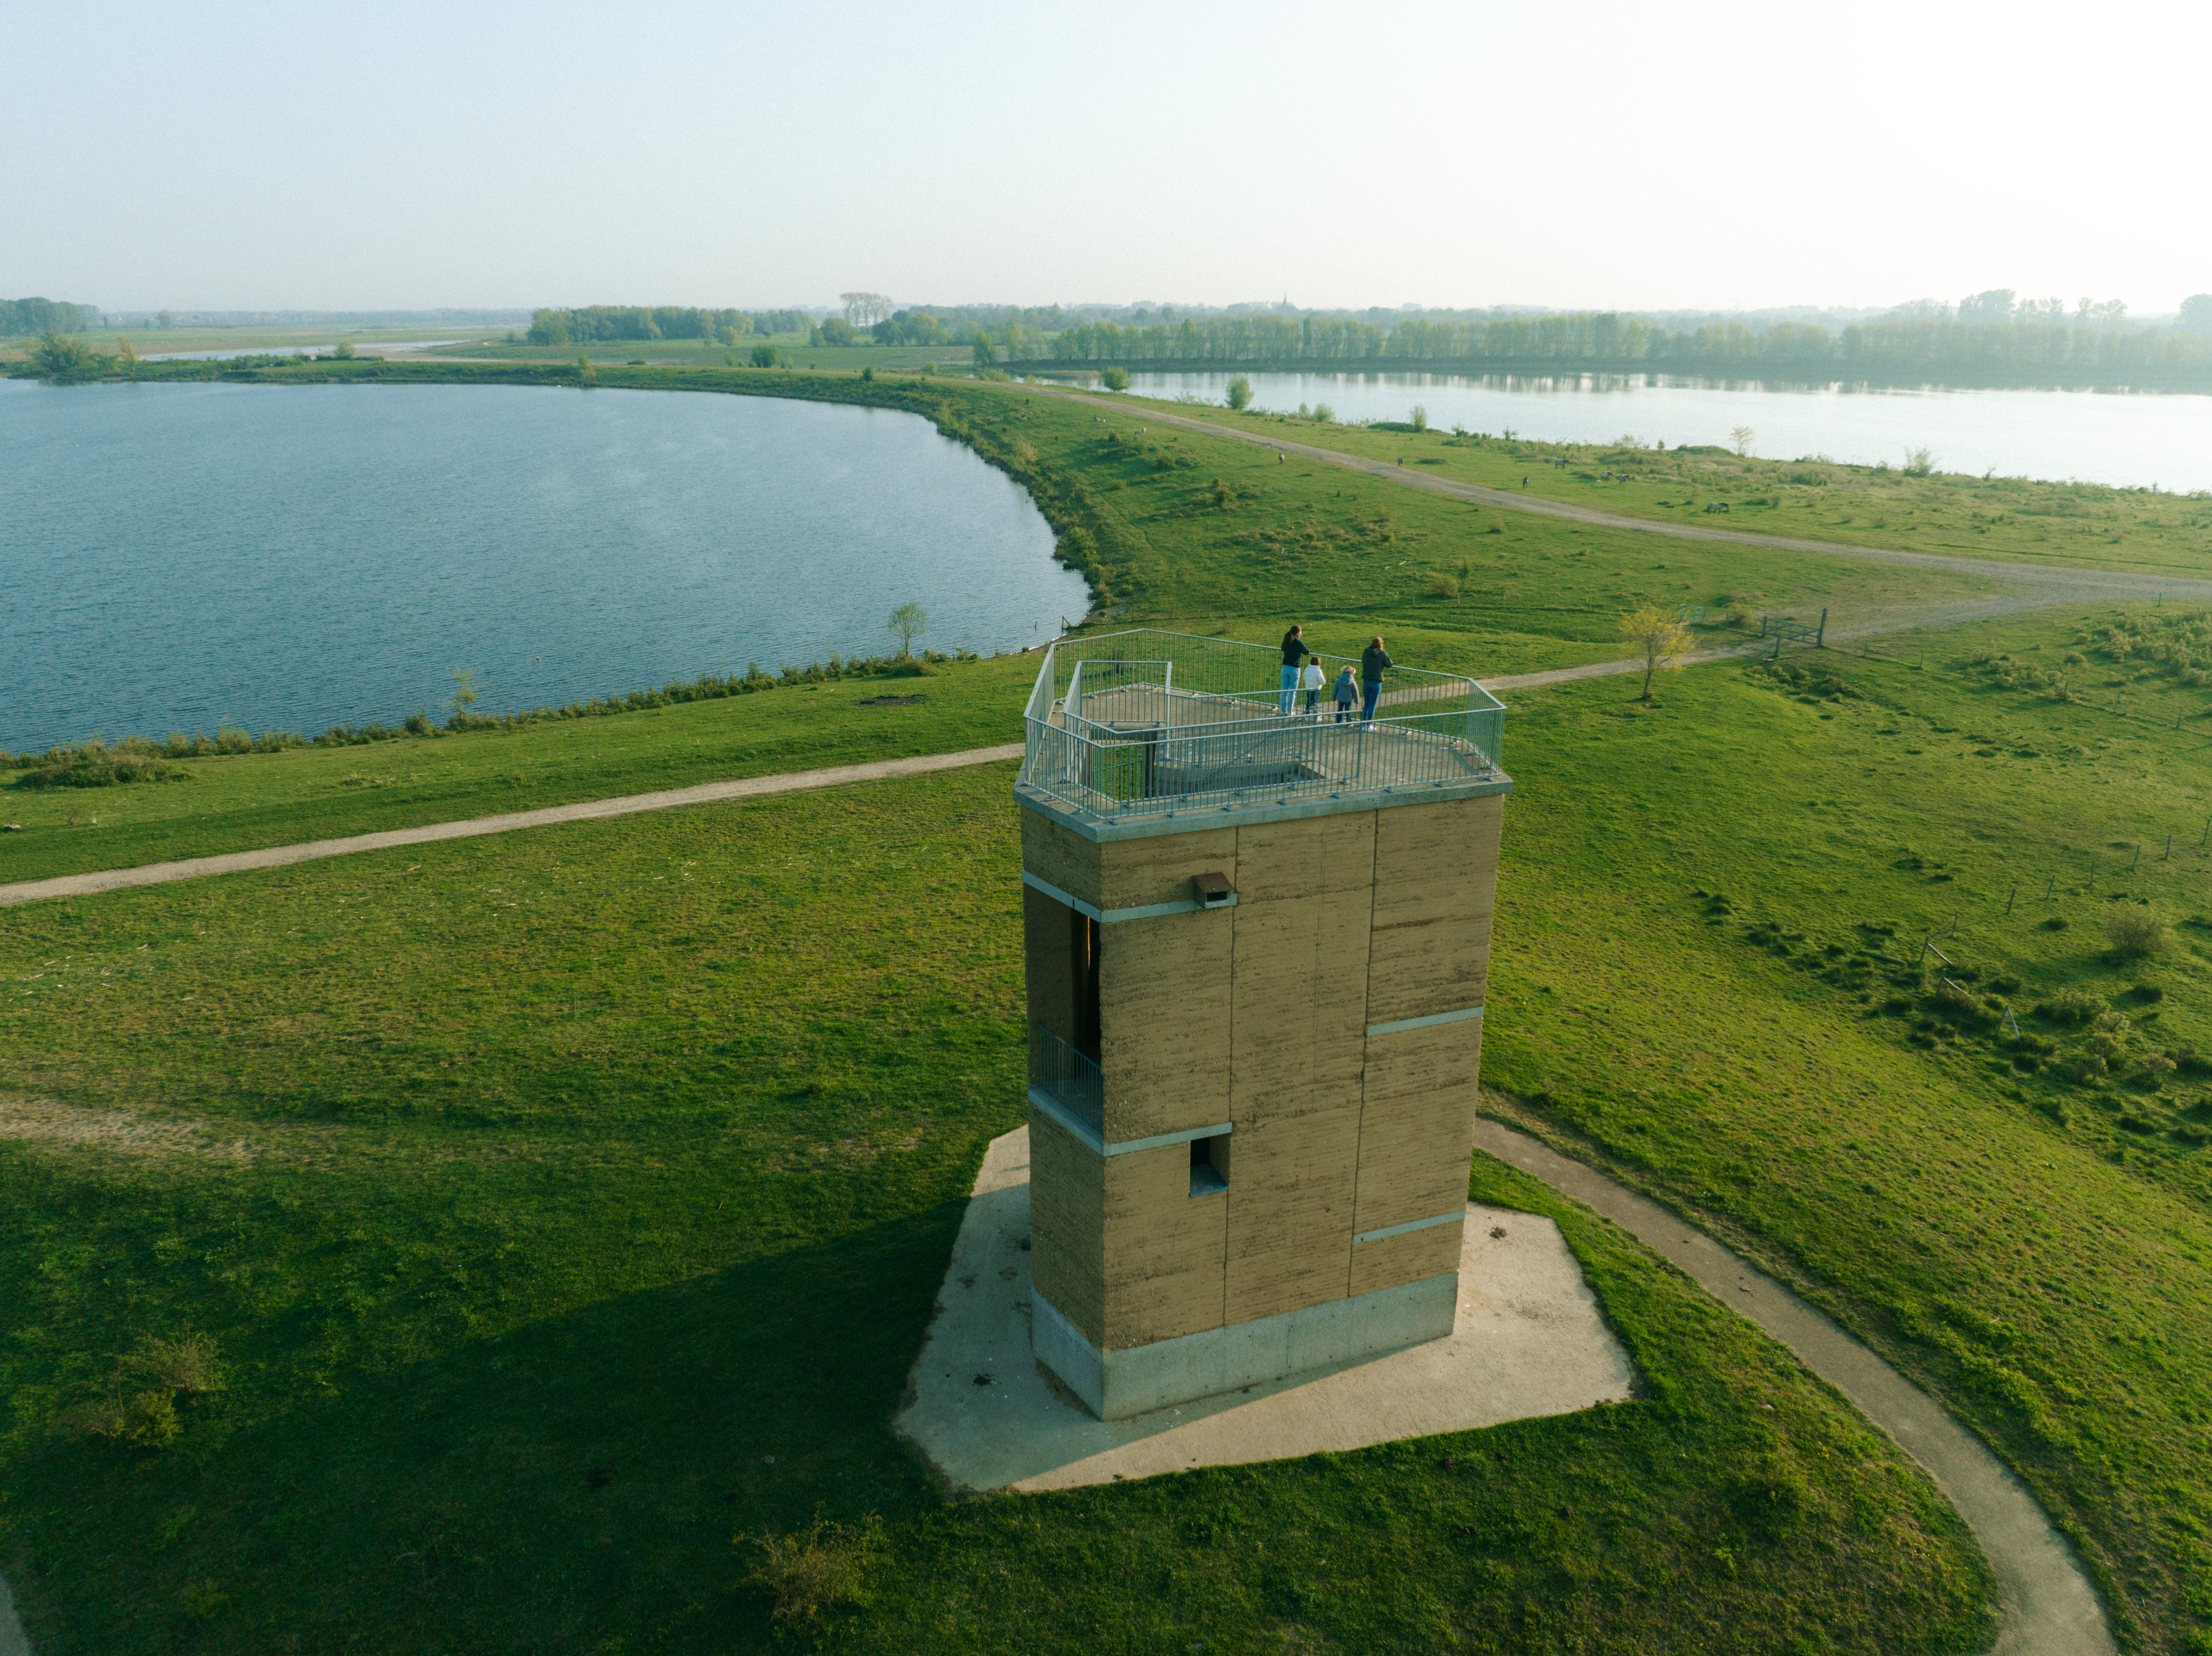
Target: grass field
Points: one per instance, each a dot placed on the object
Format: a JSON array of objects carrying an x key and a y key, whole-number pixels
[
  {"x": 562, "y": 1206},
  {"x": 2086, "y": 525},
  {"x": 237, "y": 802},
  {"x": 477, "y": 1135}
]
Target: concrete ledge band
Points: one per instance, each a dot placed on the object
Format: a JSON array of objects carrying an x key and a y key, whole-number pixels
[
  {"x": 1400, "y": 1024},
  {"x": 1045, "y": 1104},
  {"x": 1100, "y": 829},
  {"x": 1138, "y": 1379},
  {"x": 1108, "y": 916},
  {"x": 1388, "y": 1231}
]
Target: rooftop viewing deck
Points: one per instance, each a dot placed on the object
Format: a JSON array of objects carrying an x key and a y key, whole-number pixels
[{"x": 1145, "y": 726}]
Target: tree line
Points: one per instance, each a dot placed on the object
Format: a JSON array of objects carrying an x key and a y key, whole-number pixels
[
  {"x": 40, "y": 316},
  {"x": 1917, "y": 345},
  {"x": 590, "y": 323}
]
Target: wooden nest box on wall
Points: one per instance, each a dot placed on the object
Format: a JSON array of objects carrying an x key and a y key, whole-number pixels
[{"x": 1256, "y": 944}]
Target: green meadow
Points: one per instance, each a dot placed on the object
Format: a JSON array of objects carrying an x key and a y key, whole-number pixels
[{"x": 562, "y": 1210}]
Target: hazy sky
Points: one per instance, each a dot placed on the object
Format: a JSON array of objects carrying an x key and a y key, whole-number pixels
[{"x": 250, "y": 156}]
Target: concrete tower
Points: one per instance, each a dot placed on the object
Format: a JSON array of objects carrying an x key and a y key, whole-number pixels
[{"x": 1257, "y": 943}]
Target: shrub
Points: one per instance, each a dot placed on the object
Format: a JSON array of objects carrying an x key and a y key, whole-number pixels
[
  {"x": 816, "y": 1569},
  {"x": 2071, "y": 1006},
  {"x": 1323, "y": 415},
  {"x": 2135, "y": 932},
  {"x": 1444, "y": 587},
  {"x": 1115, "y": 379},
  {"x": 140, "y": 1406},
  {"x": 1240, "y": 392}
]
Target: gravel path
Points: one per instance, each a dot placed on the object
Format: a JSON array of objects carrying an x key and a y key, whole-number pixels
[
  {"x": 585, "y": 810},
  {"x": 2049, "y": 1608}
]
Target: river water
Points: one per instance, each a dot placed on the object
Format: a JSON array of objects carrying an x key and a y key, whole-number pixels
[
  {"x": 174, "y": 556},
  {"x": 2134, "y": 439}
]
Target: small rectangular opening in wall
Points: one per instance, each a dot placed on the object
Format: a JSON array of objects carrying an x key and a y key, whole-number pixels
[{"x": 1209, "y": 1165}]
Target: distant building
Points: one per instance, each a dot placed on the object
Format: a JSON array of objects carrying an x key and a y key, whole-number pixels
[{"x": 1257, "y": 949}]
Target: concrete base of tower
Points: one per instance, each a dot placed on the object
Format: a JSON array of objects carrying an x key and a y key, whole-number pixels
[{"x": 1116, "y": 1385}]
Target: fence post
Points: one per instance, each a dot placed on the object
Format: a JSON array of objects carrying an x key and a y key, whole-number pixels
[
  {"x": 2137, "y": 858},
  {"x": 2051, "y": 888},
  {"x": 2093, "y": 870},
  {"x": 2169, "y": 850},
  {"x": 2009, "y": 895},
  {"x": 1820, "y": 638}
]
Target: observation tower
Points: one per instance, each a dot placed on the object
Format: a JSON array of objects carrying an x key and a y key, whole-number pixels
[{"x": 1257, "y": 949}]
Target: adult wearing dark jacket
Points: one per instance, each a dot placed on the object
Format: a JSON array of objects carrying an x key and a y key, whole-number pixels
[
  {"x": 1374, "y": 661},
  {"x": 1294, "y": 655}
]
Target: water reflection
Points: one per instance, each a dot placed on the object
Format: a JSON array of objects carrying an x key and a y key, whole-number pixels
[{"x": 2128, "y": 439}]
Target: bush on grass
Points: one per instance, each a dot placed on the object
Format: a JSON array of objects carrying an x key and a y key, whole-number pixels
[
  {"x": 817, "y": 1569},
  {"x": 139, "y": 1404},
  {"x": 2135, "y": 932}
]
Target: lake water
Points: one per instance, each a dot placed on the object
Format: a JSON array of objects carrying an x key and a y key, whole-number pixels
[
  {"x": 2130, "y": 439},
  {"x": 176, "y": 556}
]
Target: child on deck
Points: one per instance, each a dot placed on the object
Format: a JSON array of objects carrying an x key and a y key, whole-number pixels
[
  {"x": 1347, "y": 693},
  {"x": 1310, "y": 680}
]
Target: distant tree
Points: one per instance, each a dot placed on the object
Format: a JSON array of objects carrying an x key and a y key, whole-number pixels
[
  {"x": 1740, "y": 436},
  {"x": 2196, "y": 313},
  {"x": 865, "y": 310},
  {"x": 1419, "y": 418},
  {"x": 1240, "y": 392},
  {"x": 165, "y": 318},
  {"x": 344, "y": 351},
  {"x": 1115, "y": 379},
  {"x": 1992, "y": 305},
  {"x": 126, "y": 356},
  {"x": 985, "y": 356},
  {"x": 464, "y": 689},
  {"x": 1323, "y": 415},
  {"x": 835, "y": 330},
  {"x": 548, "y": 328},
  {"x": 1658, "y": 637},
  {"x": 910, "y": 621},
  {"x": 766, "y": 356}
]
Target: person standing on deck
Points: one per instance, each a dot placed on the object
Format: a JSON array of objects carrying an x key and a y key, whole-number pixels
[
  {"x": 1374, "y": 661},
  {"x": 1310, "y": 680},
  {"x": 1294, "y": 652},
  {"x": 1346, "y": 694}
]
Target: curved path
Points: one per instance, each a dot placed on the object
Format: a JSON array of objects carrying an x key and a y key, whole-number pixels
[
  {"x": 2050, "y": 1607},
  {"x": 584, "y": 810}
]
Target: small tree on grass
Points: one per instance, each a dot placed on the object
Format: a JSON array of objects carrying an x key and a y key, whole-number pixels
[
  {"x": 910, "y": 621},
  {"x": 2134, "y": 932},
  {"x": 1740, "y": 436},
  {"x": 1662, "y": 639},
  {"x": 1240, "y": 392},
  {"x": 465, "y": 690},
  {"x": 1115, "y": 379},
  {"x": 766, "y": 356},
  {"x": 1419, "y": 419}
]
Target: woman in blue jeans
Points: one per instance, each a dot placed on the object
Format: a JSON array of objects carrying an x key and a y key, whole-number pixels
[
  {"x": 1294, "y": 653},
  {"x": 1374, "y": 661}
]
